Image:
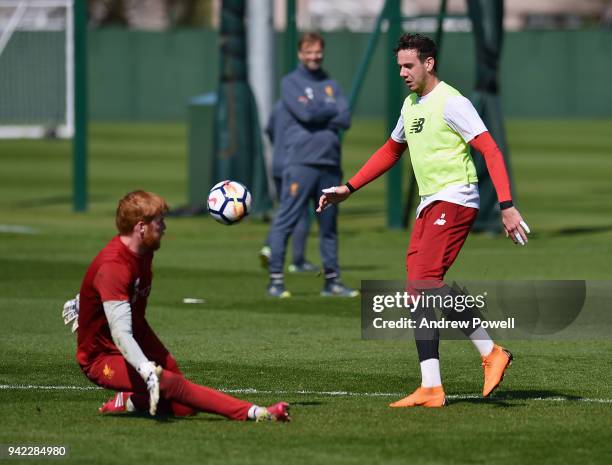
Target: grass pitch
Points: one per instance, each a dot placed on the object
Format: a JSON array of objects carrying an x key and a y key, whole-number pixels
[{"x": 553, "y": 407}]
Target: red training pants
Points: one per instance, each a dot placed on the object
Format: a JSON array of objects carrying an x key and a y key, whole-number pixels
[
  {"x": 437, "y": 237},
  {"x": 177, "y": 395}
]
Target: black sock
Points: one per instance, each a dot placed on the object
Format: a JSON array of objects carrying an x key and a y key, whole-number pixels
[{"x": 427, "y": 339}]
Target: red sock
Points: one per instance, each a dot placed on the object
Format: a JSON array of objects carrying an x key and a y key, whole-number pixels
[{"x": 201, "y": 398}]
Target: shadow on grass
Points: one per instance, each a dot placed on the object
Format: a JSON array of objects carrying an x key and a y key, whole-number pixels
[
  {"x": 509, "y": 398},
  {"x": 307, "y": 403},
  {"x": 165, "y": 418},
  {"x": 582, "y": 230}
]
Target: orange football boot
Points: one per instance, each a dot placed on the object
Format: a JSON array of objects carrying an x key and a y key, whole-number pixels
[
  {"x": 494, "y": 366},
  {"x": 423, "y": 397}
]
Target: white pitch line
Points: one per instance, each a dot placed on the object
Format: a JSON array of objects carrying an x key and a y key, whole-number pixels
[
  {"x": 17, "y": 229},
  {"x": 320, "y": 393},
  {"x": 37, "y": 387}
]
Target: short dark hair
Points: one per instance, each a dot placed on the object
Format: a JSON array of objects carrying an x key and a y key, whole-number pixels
[
  {"x": 310, "y": 38},
  {"x": 424, "y": 46}
]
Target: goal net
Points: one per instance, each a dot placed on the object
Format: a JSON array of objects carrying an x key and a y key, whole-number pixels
[{"x": 36, "y": 69}]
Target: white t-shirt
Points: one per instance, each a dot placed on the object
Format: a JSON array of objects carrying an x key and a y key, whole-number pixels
[{"x": 461, "y": 117}]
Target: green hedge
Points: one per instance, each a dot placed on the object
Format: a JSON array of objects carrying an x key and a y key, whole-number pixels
[{"x": 136, "y": 75}]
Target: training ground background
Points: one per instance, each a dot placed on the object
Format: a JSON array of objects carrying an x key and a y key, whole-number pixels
[{"x": 553, "y": 407}]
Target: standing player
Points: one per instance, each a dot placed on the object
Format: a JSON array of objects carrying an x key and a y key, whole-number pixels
[
  {"x": 316, "y": 112},
  {"x": 118, "y": 350},
  {"x": 275, "y": 130},
  {"x": 437, "y": 123}
]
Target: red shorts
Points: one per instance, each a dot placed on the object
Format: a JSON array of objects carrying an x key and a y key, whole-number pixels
[
  {"x": 437, "y": 237},
  {"x": 111, "y": 371},
  {"x": 115, "y": 373}
]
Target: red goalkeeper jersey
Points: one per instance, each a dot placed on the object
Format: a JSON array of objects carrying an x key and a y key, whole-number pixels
[{"x": 116, "y": 273}]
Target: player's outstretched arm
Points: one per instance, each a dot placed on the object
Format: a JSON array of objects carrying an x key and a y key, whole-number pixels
[
  {"x": 379, "y": 163},
  {"x": 333, "y": 195}
]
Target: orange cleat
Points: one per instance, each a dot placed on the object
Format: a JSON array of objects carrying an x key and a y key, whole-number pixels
[
  {"x": 494, "y": 366},
  {"x": 423, "y": 397}
]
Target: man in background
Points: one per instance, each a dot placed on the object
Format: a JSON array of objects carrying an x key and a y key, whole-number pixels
[
  {"x": 275, "y": 129},
  {"x": 316, "y": 113}
]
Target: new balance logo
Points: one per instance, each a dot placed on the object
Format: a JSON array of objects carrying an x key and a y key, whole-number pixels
[
  {"x": 417, "y": 125},
  {"x": 441, "y": 221}
]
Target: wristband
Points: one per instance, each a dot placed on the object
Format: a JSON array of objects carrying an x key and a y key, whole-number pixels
[
  {"x": 505, "y": 204},
  {"x": 350, "y": 187}
]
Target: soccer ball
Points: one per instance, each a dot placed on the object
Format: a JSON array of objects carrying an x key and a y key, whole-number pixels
[{"x": 229, "y": 202}]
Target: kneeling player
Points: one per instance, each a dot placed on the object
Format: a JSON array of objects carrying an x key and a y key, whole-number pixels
[{"x": 117, "y": 349}]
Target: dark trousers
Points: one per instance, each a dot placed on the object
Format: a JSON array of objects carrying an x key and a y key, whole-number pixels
[
  {"x": 301, "y": 184},
  {"x": 299, "y": 237}
]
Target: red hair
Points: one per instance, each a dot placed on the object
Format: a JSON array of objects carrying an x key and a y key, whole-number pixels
[{"x": 138, "y": 206}]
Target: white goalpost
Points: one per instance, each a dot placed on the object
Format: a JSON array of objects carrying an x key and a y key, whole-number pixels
[{"x": 36, "y": 69}]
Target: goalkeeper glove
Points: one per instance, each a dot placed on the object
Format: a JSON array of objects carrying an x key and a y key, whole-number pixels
[
  {"x": 150, "y": 373},
  {"x": 71, "y": 313}
]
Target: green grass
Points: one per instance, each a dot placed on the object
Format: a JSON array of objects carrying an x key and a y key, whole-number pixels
[{"x": 239, "y": 339}]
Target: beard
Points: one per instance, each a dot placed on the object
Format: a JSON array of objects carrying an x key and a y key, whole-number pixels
[{"x": 151, "y": 241}]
